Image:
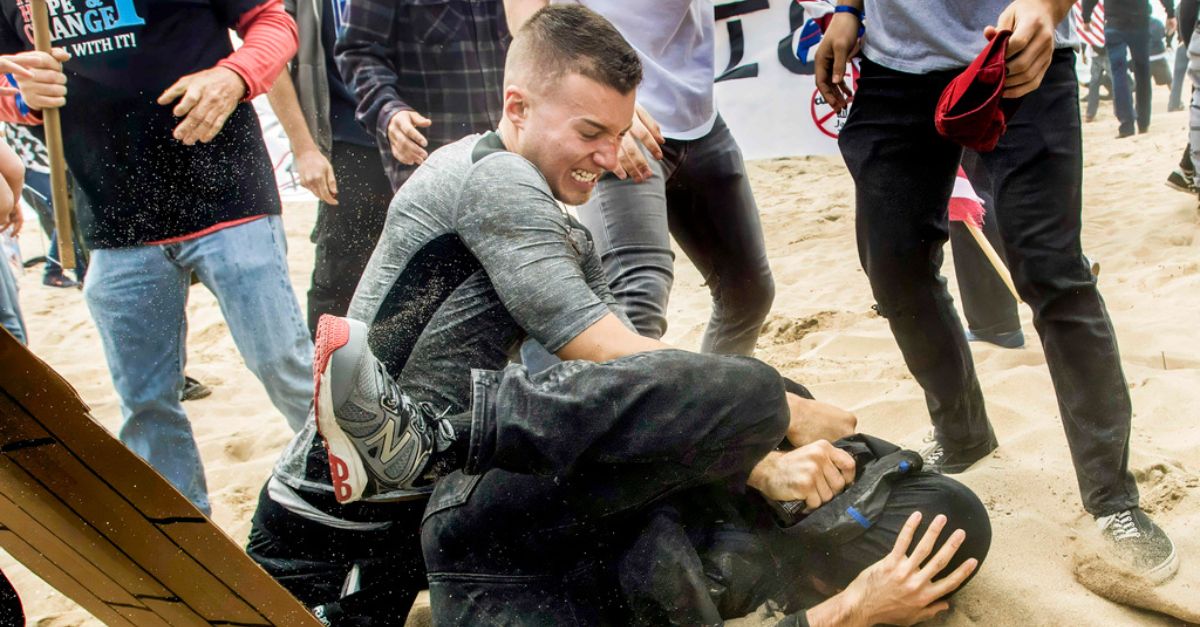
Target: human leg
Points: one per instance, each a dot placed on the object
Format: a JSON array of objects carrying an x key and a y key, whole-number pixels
[
  {"x": 345, "y": 234},
  {"x": 1178, "y": 74},
  {"x": 10, "y": 306},
  {"x": 1037, "y": 168},
  {"x": 1194, "y": 109},
  {"x": 1139, "y": 53},
  {"x": 628, "y": 222},
  {"x": 712, "y": 214},
  {"x": 1095, "y": 83},
  {"x": 508, "y": 541},
  {"x": 889, "y": 139},
  {"x": 1117, "y": 44},
  {"x": 313, "y": 560},
  {"x": 990, "y": 310},
  {"x": 246, "y": 268},
  {"x": 137, "y": 299}
]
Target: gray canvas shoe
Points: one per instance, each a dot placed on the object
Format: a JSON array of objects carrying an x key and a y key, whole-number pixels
[
  {"x": 1140, "y": 544},
  {"x": 377, "y": 438}
]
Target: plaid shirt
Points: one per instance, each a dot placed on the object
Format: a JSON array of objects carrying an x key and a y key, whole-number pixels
[{"x": 443, "y": 59}]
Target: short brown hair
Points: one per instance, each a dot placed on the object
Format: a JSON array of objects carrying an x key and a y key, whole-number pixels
[{"x": 562, "y": 39}]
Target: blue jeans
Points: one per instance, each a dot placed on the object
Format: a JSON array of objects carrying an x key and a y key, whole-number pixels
[
  {"x": 1136, "y": 43},
  {"x": 137, "y": 297},
  {"x": 10, "y": 307}
]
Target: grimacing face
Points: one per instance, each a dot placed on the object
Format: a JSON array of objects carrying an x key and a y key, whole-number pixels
[{"x": 572, "y": 130}]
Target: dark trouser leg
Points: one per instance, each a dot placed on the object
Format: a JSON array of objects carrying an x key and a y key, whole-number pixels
[
  {"x": 1178, "y": 73},
  {"x": 628, "y": 221},
  {"x": 1118, "y": 44},
  {"x": 1037, "y": 169},
  {"x": 987, "y": 304},
  {"x": 1099, "y": 62},
  {"x": 311, "y": 560},
  {"x": 619, "y": 437},
  {"x": 1139, "y": 55},
  {"x": 713, "y": 216},
  {"x": 345, "y": 234},
  {"x": 903, "y": 174}
]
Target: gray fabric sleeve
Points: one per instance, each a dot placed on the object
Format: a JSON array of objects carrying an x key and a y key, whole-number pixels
[{"x": 510, "y": 222}]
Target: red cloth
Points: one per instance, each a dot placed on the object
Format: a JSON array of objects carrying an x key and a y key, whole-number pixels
[
  {"x": 269, "y": 41},
  {"x": 971, "y": 110},
  {"x": 201, "y": 233}
]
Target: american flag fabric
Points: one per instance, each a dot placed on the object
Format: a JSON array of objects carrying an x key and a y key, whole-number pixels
[
  {"x": 965, "y": 205},
  {"x": 1093, "y": 36}
]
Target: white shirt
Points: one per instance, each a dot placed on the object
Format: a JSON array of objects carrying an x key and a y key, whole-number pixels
[{"x": 674, "y": 40}]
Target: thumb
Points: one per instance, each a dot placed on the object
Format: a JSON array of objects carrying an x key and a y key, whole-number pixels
[
  {"x": 989, "y": 32},
  {"x": 420, "y": 120},
  {"x": 60, "y": 54}
]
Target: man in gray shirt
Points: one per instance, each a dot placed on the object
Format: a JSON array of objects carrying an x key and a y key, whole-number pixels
[
  {"x": 904, "y": 172},
  {"x": 516, "y": 481}
]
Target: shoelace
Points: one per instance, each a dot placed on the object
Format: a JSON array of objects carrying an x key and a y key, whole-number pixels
[
  {"x": 398, "y": 401},
  {"x": 935, "y": 455},
  {"x": 1123, "y": 526}
]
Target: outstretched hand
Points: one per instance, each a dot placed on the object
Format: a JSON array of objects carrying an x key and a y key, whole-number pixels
[{"x": 900, "y": 588}]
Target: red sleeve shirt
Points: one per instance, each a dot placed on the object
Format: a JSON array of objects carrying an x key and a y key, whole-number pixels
[{"x": 269, "y": 41}]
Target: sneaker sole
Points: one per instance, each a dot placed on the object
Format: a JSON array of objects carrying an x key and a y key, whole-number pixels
[
  {"x": 1180, "y": 188},
  {"x": 345, "y": 468}
]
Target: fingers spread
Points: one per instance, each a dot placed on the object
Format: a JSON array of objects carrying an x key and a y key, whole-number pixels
[
  {"x": 951, "y": 582},
  {"x": 925, "y": 545},
  {"x": 905, "y": 537}
]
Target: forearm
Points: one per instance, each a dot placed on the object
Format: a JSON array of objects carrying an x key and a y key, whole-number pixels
[
  {"x": 606, "y": 340},
  {"x": 367, "y": 64},
  {"x": 269, "y": 41},
  {"x": 517, "y": 12},
  {"x": 836, "y": 611},
  {"x": 286, "y": 105}
]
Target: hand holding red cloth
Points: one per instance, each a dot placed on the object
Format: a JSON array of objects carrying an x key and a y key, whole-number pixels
[{"x": 971, "y": 110}]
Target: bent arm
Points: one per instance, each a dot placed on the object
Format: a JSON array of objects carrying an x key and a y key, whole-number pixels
[
  {"x": 365, "y": 62},
  {"x": 269, "y": 41}
]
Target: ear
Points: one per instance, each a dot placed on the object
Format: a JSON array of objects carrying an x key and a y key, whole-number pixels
[{"x": 516, "y": 105}]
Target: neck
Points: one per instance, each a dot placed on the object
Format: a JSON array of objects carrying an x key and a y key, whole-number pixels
[{"x": 508, "y": 134}]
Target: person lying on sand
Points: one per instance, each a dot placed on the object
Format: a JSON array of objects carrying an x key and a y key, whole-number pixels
[{"x": 570, "y": 496}]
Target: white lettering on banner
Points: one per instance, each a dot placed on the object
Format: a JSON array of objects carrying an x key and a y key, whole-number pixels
[{"x": 765, "y": 88}]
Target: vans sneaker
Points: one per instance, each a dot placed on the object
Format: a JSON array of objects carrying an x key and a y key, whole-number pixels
[{"x": 1140, "y": 544}]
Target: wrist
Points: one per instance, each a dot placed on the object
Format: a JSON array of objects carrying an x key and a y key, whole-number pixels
[
  {"x": 840, "y": 610},
  {"x": 761, "y": 473}
]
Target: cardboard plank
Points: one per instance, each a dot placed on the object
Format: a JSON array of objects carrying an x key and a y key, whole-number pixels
[
  {"x": 113, "y": 516},
  {"x": 67, "y": 485},
  {"x": 273, "y": 602},
  {"x": 60, "y": 521},
  {"x": 100, "y": 583},
  {"x": 49, "y": 572}
]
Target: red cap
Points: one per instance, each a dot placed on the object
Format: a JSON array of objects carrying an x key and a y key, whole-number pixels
[{"x": 971, "y": 110}]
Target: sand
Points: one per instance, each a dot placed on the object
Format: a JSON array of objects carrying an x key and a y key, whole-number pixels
[{"x": 822, "y": 332}]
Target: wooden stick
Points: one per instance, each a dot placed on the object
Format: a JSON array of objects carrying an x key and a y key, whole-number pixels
[
  {"x": 59, "y": 196},
  {"x": 994, "y": 258}
]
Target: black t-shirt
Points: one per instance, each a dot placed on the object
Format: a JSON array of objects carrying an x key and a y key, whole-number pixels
[
  {"x": 136, "y": 182},
  {"x": 341, "y": 102}
]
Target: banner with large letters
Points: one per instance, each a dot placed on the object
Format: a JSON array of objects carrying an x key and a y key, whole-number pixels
[{"x": 766, "y": 91}]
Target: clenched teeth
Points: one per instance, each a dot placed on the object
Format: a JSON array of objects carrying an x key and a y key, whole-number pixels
[{"x": 583, "y": 176}]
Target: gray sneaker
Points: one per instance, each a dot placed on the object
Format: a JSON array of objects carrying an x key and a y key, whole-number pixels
[
  {"x": 1140, "y": 544},
  {"x": 377, "y": 438}
]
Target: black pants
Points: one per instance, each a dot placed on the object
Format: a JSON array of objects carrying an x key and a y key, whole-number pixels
[
  {"x": 346, "y": 233},
  {"x": 575, "y": 466},
  {"x": 904, "y": 172},
  {"x": 11, "y": 614},
  {"x": 987, "y": 304},
  {"x": 311, "y": 560}
]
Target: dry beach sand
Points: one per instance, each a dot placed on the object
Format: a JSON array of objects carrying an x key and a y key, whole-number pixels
[{"x": 822, "y": 332}]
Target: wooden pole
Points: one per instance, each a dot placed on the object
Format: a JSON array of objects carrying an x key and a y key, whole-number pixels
[
  {"x": 994, "y": 258},
  {"x": 59, "y": 196}
]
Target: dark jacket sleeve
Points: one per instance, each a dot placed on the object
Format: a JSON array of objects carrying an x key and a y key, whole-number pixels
[
  {"x": 365, "y": 62},
  {"x": 1169, "y": 6}
]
